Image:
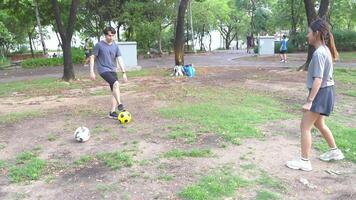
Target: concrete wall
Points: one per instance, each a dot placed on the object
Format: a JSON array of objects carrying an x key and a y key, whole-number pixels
[
  {"x": 266, "y": 45},
  {"x": 129, "y": 55}
]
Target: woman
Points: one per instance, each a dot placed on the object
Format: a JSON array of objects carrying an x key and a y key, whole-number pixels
[{"x": 320, "y": 101}]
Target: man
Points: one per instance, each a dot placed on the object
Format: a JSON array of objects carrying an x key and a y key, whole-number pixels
[
  {"x": 107, "y": 57},
  {"x": 283, "y": 49}
]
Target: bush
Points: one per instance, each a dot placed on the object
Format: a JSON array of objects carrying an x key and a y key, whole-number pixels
[
  {"x": 77, "y": 58},
  {"x": 344, "y": 41}
]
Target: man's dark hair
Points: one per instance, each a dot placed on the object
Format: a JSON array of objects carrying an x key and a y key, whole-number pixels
[
  {"x": 109, "y": 29},
  {"x": 284, "y": 36}
]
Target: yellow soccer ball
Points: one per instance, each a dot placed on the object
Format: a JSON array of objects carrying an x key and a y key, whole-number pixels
[{"x": 124, "y": 117}]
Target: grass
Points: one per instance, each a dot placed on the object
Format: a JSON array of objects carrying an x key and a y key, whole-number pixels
[
  {"x": 347, "y": 56},
  {"x": 139, "y": 73},
  {"x": 28, "y": 167},
  {"x": 267, "y": 195},
  {"x": 83, "y": 160},
  {"x": 116, "y": 160},
  {"x": 270, "y": 182},
  {"x": 19, "y": 116},
  {"x": 232, "y": 113},
  {"x": 182, "y": 132},
  {"x": 165, "y": 177},
  {"x": 176, "y": 153},
  {"x": 217, "y": 185},
  {"x": 38, "y": 86},
  {"x": 346, "y": 76},
  {"x": 51, "y": 138},
  {"x": 345, "y": 139}
]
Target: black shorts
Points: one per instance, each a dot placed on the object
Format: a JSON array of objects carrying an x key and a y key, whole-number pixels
[
  {"x": 324, "y": 101},
  {"x": 110, "y": 77},
  {"x": 283, "y": 51}
]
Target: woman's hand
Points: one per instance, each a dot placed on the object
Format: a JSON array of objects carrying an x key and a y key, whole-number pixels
[{"x": 307, "y": 106}]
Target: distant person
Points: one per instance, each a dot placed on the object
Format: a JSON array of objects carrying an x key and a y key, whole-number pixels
[
  {"x": 283, "y": 49},
  {"x": 54, "y": 55},
  {"x": 249, "y": 42}
]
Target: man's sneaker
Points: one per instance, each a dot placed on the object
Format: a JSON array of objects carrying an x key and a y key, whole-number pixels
[
  {"x": 113, "y": 115},
  {"x": 335, "y": 154},
  {"x": 299, "y": 164},
  {"x": 121, "y": 107}
]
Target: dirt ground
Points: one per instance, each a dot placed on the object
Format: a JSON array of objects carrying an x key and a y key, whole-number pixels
[{"x": 147, "y": 135}]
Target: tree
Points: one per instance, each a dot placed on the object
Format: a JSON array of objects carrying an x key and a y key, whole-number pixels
[
  {"x": 39, "y": 27},
  {"x": 311, "y": 16},
  {"x": 179, "y": 36},
  {"x": 66, "y": 34}
]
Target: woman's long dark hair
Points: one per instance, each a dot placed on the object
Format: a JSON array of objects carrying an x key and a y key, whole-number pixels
[{"x": 325, "y": 35}]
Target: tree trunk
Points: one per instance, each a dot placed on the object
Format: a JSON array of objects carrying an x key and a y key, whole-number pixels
[
  {"x": 179, "y": 37},
  {"x": 160, "y": 40},
  {"x": 40, "y": 28},
  {"x": 191, "y": 26},
  {"x": 311, "y": 16},
  {"x": 66, "y": 37},
  {"x": 68, "y": 73},
  {"x": 30, "y": 40}
]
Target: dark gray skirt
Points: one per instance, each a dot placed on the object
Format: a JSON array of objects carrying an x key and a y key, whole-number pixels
[{"x": 324, "y": 101}]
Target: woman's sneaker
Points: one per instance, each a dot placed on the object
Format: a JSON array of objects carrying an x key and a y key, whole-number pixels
[
  {"x": 113, "y": 115},
  {"x": 332, "y": 154},
  {"x": 304, "y": 165}
]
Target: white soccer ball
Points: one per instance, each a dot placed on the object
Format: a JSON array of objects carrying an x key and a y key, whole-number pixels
[{"x": 82, "y": 134}]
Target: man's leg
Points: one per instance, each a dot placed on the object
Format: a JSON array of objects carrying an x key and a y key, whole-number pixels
[{"x": 116, "y": 100}]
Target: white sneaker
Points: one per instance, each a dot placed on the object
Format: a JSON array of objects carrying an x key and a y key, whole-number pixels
[
  {"x": 299, "y": 164},
  {"x": 332, "y": 155},
  {"x": 281, "y": 61}
]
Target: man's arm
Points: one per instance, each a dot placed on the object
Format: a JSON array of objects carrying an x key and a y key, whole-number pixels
[{"x": 120, "y": 62}]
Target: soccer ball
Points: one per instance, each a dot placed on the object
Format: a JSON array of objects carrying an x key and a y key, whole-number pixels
[
  {"x": 82, "y": 134},
  {"x": 124, "y": 117}
]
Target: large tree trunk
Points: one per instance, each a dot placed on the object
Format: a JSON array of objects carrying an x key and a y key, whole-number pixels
[
  {"x": 68, "y": 73},
  {"x": 40, "y": 28},
  {"x": 66, "y": 37},
  {"x": 311, "y": 16},
  {"x": 179, "y": 37}
]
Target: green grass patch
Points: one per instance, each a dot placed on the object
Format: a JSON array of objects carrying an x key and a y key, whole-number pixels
[
  {"x": 345, "y": 75},
  {"x": 139, "y": 73},
  {"x": 51, "y": 138},
  {"x": 116, "y": 160},
  {"x": 347, "y": 56},
  {"x": 165, "y": 177},
  {"x": 270, "y": 182},
  {"x": 345, "y": 140},
  {"x": 232, "y": 113},
  {"x": 267, "y": 195},
  {"x": 183, "y": 132},
  {"x": 28, "y": 167},
  {"x": 83, "y": 160},
  {"x": 217, "y": 185},
  {"x": 19, "y": 116},
  {"x": 176, "y": 153},
  {"x": 101, "y": 129},
  {"x": 38, "y": 86}
]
